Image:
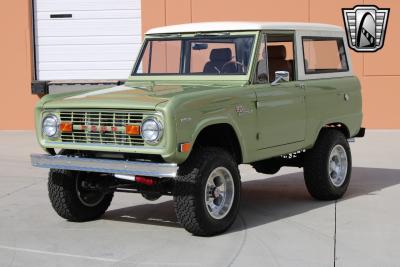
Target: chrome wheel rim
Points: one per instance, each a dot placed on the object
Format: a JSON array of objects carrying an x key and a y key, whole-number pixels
[
  {"x": 88, "y": 197},
  {"x": 338, "y": 165},
  {"x": 219, "y": 193}
]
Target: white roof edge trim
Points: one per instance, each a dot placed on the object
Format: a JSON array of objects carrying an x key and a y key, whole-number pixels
[{"x": 243, "y": 26}]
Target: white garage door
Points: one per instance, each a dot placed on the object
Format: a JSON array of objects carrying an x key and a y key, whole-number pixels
[{"x": 86, "y": 39}]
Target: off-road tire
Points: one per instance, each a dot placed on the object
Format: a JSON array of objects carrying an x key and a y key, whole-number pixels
[
  {"x": 189, "y": 191},
  {"x": 316, "y": 166},
  {"x": 65, "y": 201}
]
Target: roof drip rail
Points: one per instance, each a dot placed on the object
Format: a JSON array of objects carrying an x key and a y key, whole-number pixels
[
  {"x": 170, "y": 35},
  {"x": 205, "y": 34}
]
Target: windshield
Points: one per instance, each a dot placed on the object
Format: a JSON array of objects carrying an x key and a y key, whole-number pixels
[{"x": 204, "y": 55}]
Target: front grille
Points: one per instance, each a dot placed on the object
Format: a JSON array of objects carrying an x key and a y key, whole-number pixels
[{"x": 101, "y": 127}]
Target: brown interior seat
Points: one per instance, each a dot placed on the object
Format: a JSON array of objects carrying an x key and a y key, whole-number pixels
[
  {"x": 277, "y": 61},
  {"x": 219, "y": 61}
]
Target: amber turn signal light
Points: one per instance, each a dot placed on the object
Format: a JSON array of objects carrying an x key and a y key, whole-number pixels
[
  {"x": 132, "y": 129},
  {"x": 65, "y": 127},
  {"x": 185, "y": 147}
]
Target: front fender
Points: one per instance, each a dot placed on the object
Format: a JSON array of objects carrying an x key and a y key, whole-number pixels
[
  {"x": 188, "y": 129},
  {"x": 218, "y": 120}
]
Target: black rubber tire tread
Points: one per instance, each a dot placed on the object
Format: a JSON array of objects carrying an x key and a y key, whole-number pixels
[
  {"x": 316, "y": 162},
  {"x": 65, "y": 201},
  {"x": 189, "y": 191}
]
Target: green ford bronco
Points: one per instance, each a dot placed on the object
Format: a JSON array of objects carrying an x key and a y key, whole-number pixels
[{"x": 201, "y": 99}]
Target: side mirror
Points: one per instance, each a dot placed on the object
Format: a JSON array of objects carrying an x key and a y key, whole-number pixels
[{"x": 280, "y": 76}]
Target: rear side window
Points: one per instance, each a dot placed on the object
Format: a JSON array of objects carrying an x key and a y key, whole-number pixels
[{"x": 324, "y": 55}]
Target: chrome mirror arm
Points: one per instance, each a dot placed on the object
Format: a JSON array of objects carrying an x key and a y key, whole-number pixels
[{"x": 280, "y": 76}]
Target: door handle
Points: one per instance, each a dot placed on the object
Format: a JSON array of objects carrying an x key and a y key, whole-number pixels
[
  {"x": 60, "y": 16},
  {"x": 300, "y": 85}
]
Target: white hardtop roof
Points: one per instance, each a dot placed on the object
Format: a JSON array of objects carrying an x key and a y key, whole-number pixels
[{"x": 243, "y": 26}]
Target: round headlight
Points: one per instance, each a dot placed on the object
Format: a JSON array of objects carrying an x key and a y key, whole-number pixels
[
  {"x": 50, "y": 125},
  {"x": 152, "y": 130}
]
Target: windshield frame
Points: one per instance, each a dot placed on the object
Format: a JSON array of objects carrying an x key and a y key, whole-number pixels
[{"x": 173, "y": 76}]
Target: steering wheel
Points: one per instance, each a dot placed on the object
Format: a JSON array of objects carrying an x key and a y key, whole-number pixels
[{"x": 238, "y": 65}]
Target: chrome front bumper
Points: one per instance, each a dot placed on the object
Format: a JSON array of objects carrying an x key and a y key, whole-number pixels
[{"x": 111, "y": 166}]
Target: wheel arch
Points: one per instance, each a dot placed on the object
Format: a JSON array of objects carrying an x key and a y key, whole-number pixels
[
  {"x": 340, "y": 126},
  {"x": 220, "y": 134}
]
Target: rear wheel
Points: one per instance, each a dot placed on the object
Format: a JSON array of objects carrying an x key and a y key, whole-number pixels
[
  {"x": 327, "y": 166},
  {"x": 78, "y": 196},
  {"x": 207, "y": 192}
]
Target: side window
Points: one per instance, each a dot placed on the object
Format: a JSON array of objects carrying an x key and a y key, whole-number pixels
[
  {"x": 280, "y": 49},
  {"x": 276, "y": 53},
  {"x": 324, "y": 55}
]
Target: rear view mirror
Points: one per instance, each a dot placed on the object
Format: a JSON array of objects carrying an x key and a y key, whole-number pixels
[
  {"x": 199, "y": 46},
  {"x": 280, "y": 76}
]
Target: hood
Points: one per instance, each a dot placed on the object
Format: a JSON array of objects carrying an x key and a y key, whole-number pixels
[
  {"x": 127, "y": 96},
  {"x": 123, "y": 96}
]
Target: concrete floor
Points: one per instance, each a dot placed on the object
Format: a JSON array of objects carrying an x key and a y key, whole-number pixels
[{"x": 279, "y": 224}]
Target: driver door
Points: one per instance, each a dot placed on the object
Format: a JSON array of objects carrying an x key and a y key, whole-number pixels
[{"x": 281, "y": 114}]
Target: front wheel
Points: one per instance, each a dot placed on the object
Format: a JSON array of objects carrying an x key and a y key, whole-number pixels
[
  {"x": 207, "y": 192},
  {"x": 78, "y": 196},
  {"x": 327, "y": 166}
]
